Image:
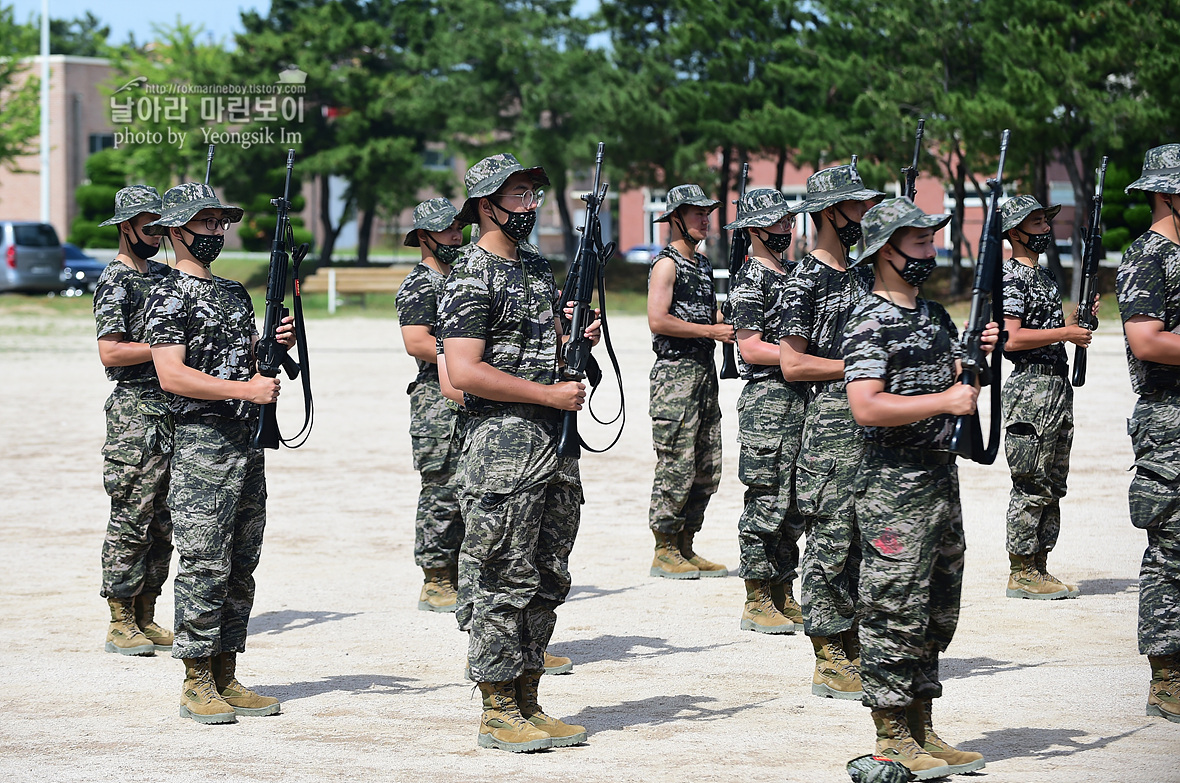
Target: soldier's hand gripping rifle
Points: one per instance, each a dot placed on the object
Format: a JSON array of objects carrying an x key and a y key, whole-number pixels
[
  {"x": 967, "y": 439},
  {"x": 739, "y": 246},
  {"x": 1092, "y": 255},
  {"x": 586, "y": 275},
  {"x": 271, "y": 354},
  {"x": 910, "y": 172}
]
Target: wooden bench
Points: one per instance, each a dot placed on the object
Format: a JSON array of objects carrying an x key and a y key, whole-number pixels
[{"x": 354, "y": 280}]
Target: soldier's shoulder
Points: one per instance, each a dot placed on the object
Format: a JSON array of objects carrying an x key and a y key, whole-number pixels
[
  {"x": 159, "y": 269},
  {"x": 935, "y": 310}
]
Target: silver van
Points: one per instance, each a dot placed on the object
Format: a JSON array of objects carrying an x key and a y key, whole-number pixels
[{"x": 31, "y": 257}]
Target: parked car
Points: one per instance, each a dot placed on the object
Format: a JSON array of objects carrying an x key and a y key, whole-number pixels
[
  {"x": 642, "y": 254},
  {"x": 81, "y": 272},
  {"x": 32, "y": 255}
]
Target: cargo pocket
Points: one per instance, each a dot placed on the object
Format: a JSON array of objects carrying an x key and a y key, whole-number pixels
[
  {"x": 121, "y": 463},
  {"x": 1022, "y": 447},
  {"x": 812, "y": 474},
  {"x": 894, "y": 546},
  {"x": 430, "y": 454},
  {"x": 158, "y": 426},
  {"x": 1153, "y": 496}
]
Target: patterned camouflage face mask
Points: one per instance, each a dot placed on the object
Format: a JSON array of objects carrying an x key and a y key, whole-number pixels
[
  {"x": 1038, "y": 243},
  {"x": 205, "y": 247},
  {"x": 851, "y": 233},
  {"x": 444, "y": 254},
  {"x": 776, "y": 243},
  {"x": 518, "y": 225}
]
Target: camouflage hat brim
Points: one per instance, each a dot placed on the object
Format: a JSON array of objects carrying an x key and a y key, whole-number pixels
[
  {"x": 439, "y": 221},
  {"x": 135, "y": 200},
  {"x": 759, "y": 218},
  {"x": 820, "y": 201},
  {"x": 469, "y": 214},
  {"x": 182, "y": 214},
  {"x": 918, "y": 220},
  {"x": 711, "y": 204},
  {"x": 1158, "y": 181},
  {"x": 127, "y": 213}
]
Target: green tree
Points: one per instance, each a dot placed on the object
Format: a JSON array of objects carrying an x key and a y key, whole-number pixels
[
  {"x": 20, "y": 116},
  {"x": 96, "y": 199},
  {"x": 85, "y": 36}
]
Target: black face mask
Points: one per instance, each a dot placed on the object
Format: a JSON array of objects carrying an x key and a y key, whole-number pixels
[
  {"x": 139, "y": 248},
  {"x": 850, "y": 234},
  {"x": 518, "y": 225},
  {"x": 445, "y": 254},
  {"x": 916, "y": 270},
  {"x": 1038, "y": 243},
  {"x": 776, "y": 243},
  {"x": 205, "y": 247}
]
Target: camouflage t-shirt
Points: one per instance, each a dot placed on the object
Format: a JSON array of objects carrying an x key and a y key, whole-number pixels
[
  {"x": 417, "y": 305},
  {"x": 754, "y": 304},
  {"x": 816, "y": 306},
  {"x": 1148, "y": 283},
  {"x": 510, "y": 306},
  {"x": 1031, "y": 294},
  {"x": 913, "y": 352},
  {"x": 693, "y": 300},
  {"x": 120, "y": 302},
  {"x": 214, "y": 321}
]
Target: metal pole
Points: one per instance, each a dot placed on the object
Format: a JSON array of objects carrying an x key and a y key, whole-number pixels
[{"x": 45, "y": 111}]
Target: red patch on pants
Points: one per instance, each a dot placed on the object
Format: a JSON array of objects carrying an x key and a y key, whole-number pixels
[{"x": 889, "y": 544}]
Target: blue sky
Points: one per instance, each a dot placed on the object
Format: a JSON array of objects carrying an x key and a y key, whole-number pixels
[{"x": 221, "y": 18}]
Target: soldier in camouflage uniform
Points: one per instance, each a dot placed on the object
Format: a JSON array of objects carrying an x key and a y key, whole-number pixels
[
  {"x": 138, "y": 544},
  {"x": 818, "y": 298},
  {"x": 202, "y": 332},
  {"x": 770, "y": 420},
  {"x": 521, "y": 502},
  {"x": 1148, "y": 286},
  {"x": 685, "y": 416},
  {"x": 438, "y": 526},
  {"x": 1037, "y": 399},
  {"x": 901, "y": 357}
]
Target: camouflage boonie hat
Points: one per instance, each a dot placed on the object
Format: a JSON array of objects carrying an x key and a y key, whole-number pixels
[
  {"x": 486, "y": 177},
  {"x": 436, "y": 214},
  {"x": 833, "y": 185},
  {"x": 760, "y": 207},
  {"x": 1161, "y": 171},
  {"x": 876, "y": 769},
  {"x": 184, "y": 201},
  {"x": 132, "y": 201},
  {"x": 880, "y": 222},
  {"x": 686, "y": 195},
  {"x": 1016, "y": 209}
]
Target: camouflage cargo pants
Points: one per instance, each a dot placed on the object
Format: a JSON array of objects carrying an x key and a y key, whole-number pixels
[
  {"x": 686, "y": 433},
  {"x": 911, "y": 526},
  {"x": 1038, "y": 411},
  {"x": 522, "y": 507},
  {"x": 1154, "y": 498},
  {"x": 218, "y": 497},
  {"x": 438, "y": 526},
  {"x": 829, "y": 459},
  {"x": 770, "y": 428},
  {"x": 137, "y": 549}
]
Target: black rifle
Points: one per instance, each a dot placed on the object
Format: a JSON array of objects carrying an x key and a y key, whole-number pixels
[
  {"x": 586, "y": 275},
  {"x": 1092, "y": 255},
  {"x": 271, "y": 354},
  {"x": 739, "y": 246},
  {"x": 967, "y": 439},
  {"x": 910, "y": 172},
  {"x": 209, "y": 163}
]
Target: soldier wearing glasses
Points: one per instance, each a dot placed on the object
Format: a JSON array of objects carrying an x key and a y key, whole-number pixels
[
  {"x": 521, "y": 502},
  {"x": 202, "y": 332}
]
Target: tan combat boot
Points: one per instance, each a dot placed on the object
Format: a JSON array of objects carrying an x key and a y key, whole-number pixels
[
  {"x": 850, "y": 643},
  {"x": 760, "y": 614},
  {"x": 895, "y": 743},
  {"x": 123, "y": 635},
  {"x": 835, "y": 677},
  {"x": 438, "y": 591},
  {"x": 556, "y": 664},
  {"x": 1026, "y": 581},
  {"x": 200, "y": 700},
  {"x": 783, "y": 595},
  {"x": 243, "y": 700},
  {"x": 1041, "y": 560},
  {"x": 502, "y": 726},
  {"x": 668, "y": 561},
  {"x": 145, "y": 618},
  {"x": 563, "y": 734},
  {"x": 921, "y": 726},
  {"x": 706, "y": 567},
  {"x": 1163, "y": 695}
]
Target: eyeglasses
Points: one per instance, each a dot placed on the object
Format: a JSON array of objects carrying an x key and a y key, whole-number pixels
[
  {"x": 530, "y": 199},
  {"x": 211, "y": 224}
]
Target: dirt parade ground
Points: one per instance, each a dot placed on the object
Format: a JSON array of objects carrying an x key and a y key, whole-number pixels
[{"x": 667, "y": 685}]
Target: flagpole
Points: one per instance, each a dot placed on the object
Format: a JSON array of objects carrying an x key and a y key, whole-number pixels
[{"x": 44, "y": 111}]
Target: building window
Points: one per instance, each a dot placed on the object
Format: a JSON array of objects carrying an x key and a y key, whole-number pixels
[
  {"x": 101, "y": 141},
  {"x": 437, "y": 160}
]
